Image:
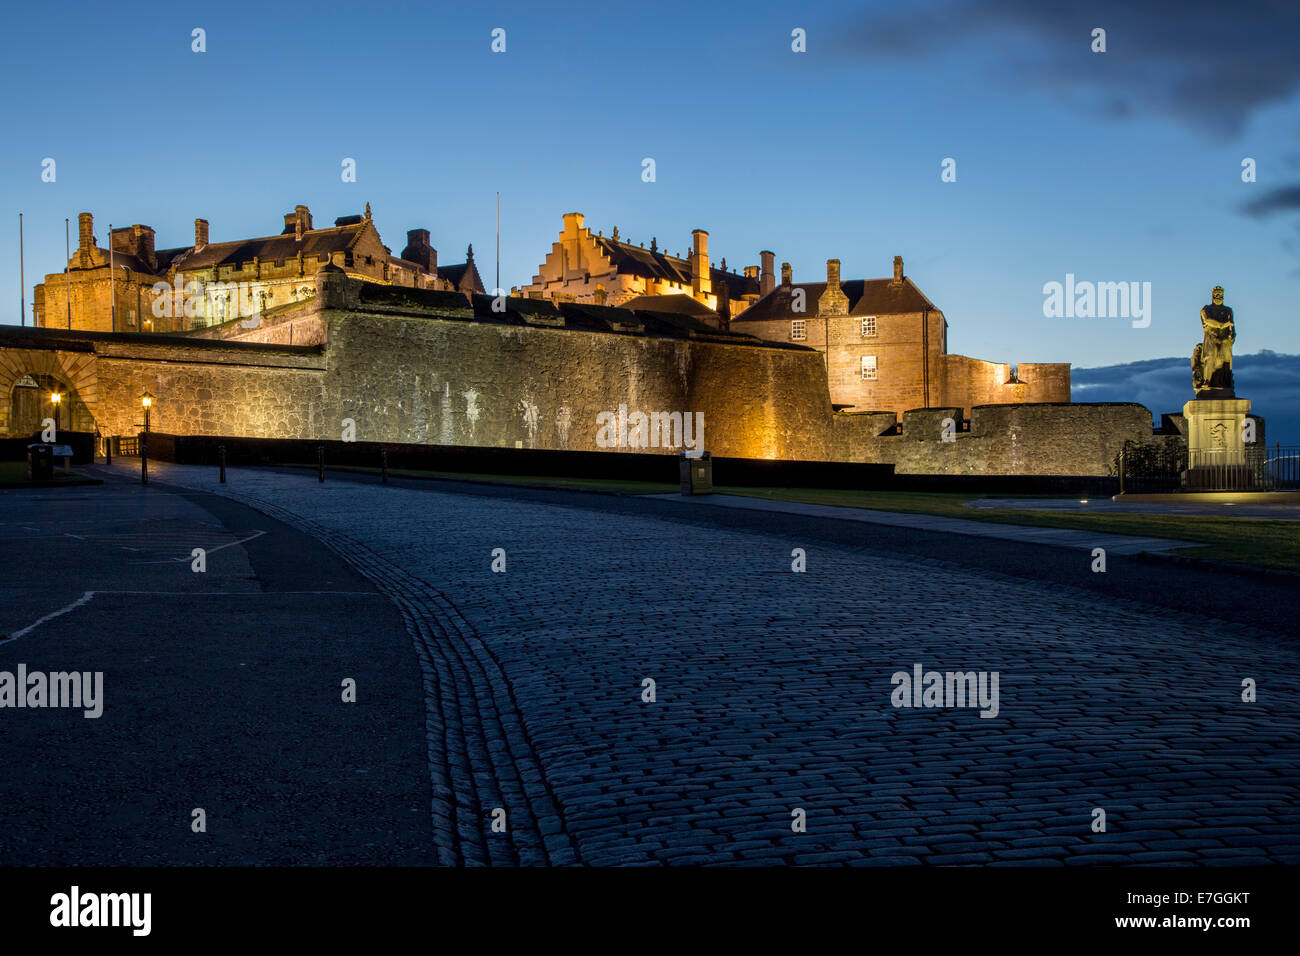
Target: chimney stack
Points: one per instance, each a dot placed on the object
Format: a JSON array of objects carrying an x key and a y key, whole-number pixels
[
  {"x": 200, "y": 233},
  {"x": 700, "y": 282},
  {"x": 767, "y": 280},
  {"x": 144, "y": 245},
  {"x": 833, "y": 301},
  {"x": 786, "y": 277},
  {"x": 898, "y": 270},
  {"x": 86, "y": 232},
  {"x": 418, "y": 250},
  {"x": 751, "y": 272},
  {"x": 304, "y": 216}
]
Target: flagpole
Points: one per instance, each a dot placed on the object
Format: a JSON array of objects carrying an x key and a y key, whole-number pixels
[
  {"x": 22, "y": 280},
  {"x": 112, "y": 288},
  {"x": 67, "y": 270},
  {"x": 497, "y": 291}
]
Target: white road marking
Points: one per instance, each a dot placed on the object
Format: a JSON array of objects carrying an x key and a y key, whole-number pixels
[
  {"x": 49, "y": 617},
  {"x": 256, "y": 534},
  {"x": 86, "y": 598}
]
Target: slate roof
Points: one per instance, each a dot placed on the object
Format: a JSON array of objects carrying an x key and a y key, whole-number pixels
[
  {"x": 678, "y": 302},
  {"x": 128, "y": 260},
  {"x": 317, "y": 242},
  {"x": 455, "y": 274},
  {"x": 634, "y": 260},
  {"x": 866, "y": 297}
]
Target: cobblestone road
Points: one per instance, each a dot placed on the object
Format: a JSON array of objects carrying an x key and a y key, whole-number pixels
[{"x": 773, "y": 693}]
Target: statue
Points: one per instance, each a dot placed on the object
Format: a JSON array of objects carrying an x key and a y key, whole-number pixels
[{"x": 1212, "y": 359}]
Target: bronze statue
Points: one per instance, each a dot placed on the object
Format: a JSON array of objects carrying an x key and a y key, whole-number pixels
[{"x": 1212, "y": 359}]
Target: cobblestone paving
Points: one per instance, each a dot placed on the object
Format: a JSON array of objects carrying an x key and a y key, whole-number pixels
[{"x": 773, "y": 693}]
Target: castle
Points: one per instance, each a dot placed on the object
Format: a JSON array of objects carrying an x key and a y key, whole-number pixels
[
  {"x": 885, "y": 343},
  {"x": 133, "y": 287},
  {"x": 287, "y": 336}
]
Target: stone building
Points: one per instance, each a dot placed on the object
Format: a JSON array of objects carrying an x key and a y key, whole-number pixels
[
  {"x": 600, "y": 270},
  {"x": 885, "y": 346},
  {"x": 178, "y": 290}
]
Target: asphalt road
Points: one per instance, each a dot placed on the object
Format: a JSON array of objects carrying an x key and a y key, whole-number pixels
[{"x": 222, "y": 690}]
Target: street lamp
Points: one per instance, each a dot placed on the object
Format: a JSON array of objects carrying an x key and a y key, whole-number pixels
[
  {"x": 55, "y": 399},
  {"x": 146, "y": 401}
]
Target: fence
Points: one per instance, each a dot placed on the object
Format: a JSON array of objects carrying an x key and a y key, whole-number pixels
[{"x": 1153, "y": 469}]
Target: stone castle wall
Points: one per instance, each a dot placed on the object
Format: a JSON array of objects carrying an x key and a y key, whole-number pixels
[{"x": 461, "y": 380}]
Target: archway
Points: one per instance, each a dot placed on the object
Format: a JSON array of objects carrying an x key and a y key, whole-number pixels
[{"x": 31, "y": 403}]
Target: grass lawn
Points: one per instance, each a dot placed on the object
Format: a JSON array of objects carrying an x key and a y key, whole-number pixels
[
  {"x": 1258, "y": 541},
  {"x": 1255, "y": 541}
]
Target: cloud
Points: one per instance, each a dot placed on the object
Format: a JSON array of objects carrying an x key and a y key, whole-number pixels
[
  {"x": 1275, "y": 200},
  {"x": 1270, "y": 380},
  {"x": 1202, "y": 63}
]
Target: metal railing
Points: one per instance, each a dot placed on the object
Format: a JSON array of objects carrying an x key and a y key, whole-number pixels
[
  {"x": 1147, "y": 469},
  {"x": 1282, "y": 466}
]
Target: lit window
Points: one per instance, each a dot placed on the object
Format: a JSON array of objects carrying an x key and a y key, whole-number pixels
[
  {"x": 868, "y": 325},
  {"x": 799, "y": 329},
  {"x": 869, "y": 367}
]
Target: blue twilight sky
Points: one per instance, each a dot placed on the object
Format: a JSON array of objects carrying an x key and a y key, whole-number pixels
[{"x": 1121, "y": 166}]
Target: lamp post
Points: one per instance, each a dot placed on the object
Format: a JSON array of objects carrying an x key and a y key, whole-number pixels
[
  {"x": 56, "y": 399},
  {"x": 146, "y": 400}
]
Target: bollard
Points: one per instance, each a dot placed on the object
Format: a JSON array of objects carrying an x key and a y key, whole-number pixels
[
  {"x": 320, "y": 463},
  {"x": 221, "y": 453},
  {"x": 108, "y": 449},
  {"x": 144, "y": 459},
  {"x": 383, "y": 465}
]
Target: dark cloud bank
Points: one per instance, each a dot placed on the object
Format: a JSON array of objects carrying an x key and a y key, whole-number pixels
[
  {"x": 1207, "y": 65},
  {"x": 1269, "y": 379}
]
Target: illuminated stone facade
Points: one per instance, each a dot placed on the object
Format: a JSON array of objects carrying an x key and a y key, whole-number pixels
[
  {"x": 178, "y": 290},
  {"x": 594, "y": 269},
  {"x": 886, "y": 346}
]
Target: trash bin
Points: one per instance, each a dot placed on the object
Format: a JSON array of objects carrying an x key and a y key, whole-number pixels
[
  {"x": 40, "y": 458},
  {"x": 696, "y": 471}
]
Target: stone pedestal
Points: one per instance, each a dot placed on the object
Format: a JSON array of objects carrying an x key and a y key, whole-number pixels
[{"x": 1216, "y": 454}]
